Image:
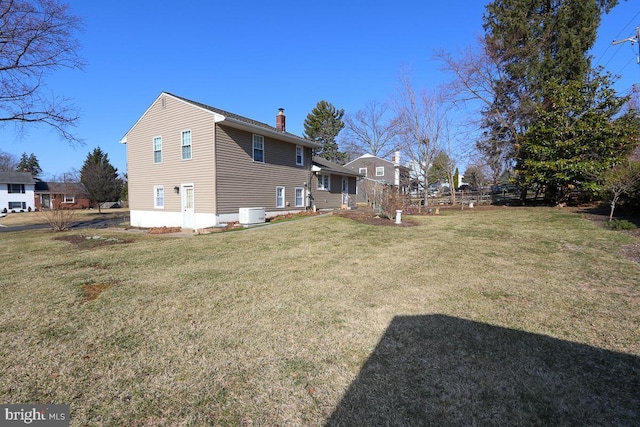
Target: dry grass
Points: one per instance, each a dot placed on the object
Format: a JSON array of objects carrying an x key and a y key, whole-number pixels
[{"x": 510, "y": 316}]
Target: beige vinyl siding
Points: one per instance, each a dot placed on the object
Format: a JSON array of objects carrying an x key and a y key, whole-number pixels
[
  {"x": 331, "y": 199},
  {"x": 169, "y": 122},
  {"x": 242, "y": 183}
]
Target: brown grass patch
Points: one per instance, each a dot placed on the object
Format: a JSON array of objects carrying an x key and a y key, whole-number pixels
[{"x": 93, "y": 290}]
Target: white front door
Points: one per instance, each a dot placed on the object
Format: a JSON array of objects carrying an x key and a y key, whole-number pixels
[
  {"x": 345, "y": 191},
  {"x": 188, "y": 207}
]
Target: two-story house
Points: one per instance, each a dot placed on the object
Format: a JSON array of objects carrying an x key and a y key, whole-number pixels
[
  {"x": 378, "y": 173},
  {"x": 16, "y": 192},
  {"x": 194, "y": 166}
]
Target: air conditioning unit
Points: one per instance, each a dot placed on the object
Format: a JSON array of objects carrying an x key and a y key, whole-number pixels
[{"x": 251, "y": 216}]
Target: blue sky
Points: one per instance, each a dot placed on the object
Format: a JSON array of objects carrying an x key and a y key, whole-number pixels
[{"x": 252, "y": 57}]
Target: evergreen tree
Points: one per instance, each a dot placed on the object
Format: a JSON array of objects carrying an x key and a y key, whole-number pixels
[
  {"x": 534, "y": 44},
  {"x": 323, "y": 125},
  {"x": 100, "y": 178},
  {"x": 29, "y": 164},
  {"x": 578, "y": 135}
]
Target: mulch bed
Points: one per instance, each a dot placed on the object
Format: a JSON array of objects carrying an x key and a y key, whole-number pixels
[{"x": 366, "y": 216}]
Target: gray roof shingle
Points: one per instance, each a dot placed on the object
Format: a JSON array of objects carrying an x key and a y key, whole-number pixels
[{"x": 10, "y": 177}]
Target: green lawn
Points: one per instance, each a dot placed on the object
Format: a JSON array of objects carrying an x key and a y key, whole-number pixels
[{"x": 512, "y": 316}]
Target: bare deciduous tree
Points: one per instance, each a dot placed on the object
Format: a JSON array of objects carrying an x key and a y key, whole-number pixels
[
  {"x": 477, "y": 76},
  {"x": 423, "y": 125},
  {"x": 619, "y": 180},
  {"x": 8, "y": 162},
  {"x": 37, "y": 37},
  {"x": 371, "y": 131}
]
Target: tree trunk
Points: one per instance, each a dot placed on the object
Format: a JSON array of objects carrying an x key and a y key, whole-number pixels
[{"x": 614, "y": 201}]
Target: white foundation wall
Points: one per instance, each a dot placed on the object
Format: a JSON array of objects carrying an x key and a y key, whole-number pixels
[{"x": 150, "y": 219}]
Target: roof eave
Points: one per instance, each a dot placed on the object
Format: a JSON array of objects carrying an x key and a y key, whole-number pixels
[{"x": 264, "y": 131}]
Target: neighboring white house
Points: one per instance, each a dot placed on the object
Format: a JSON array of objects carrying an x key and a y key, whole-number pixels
[{"x": 17, "y": 192}]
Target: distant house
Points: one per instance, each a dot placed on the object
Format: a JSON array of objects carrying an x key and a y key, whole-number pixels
[
  {"x": 379, "y": 173},
  {"x": 57, "y": 195},
  {"x": 195, "y": 166},
  {"x": 16, "y": 192}
]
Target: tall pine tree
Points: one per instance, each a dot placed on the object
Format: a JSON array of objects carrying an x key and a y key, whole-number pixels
[
  {"x": 323, "y": 125},
  {"x": 29, "y": 164},
  {"x": 100, "y": 178}
]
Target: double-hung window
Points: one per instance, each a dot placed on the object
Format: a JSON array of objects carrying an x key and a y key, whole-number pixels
[
  {"x": 324, "y": 182},
  {"x": 299, "y": 156},
  {"x": 17, "y": 205},
  {"x": 258, "y": 148},
  {"x": 299, "y": 197},
  {"x": 157, "y": 149},
  {"x": 69, "y": 198},
  {"x": 380, "y": 171},
  {"x": 15, "y": 188},
  {"x": 158, "y": 199},
  {"x": 279, "y": 197},
  {"x": 186, "y": 144}
]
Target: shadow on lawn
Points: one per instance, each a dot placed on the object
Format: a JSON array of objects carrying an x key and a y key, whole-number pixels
[{"x": 441, "y": 370}]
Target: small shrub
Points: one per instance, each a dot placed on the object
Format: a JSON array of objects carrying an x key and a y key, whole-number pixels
[
  {"x": 621, "y": 224},
  {"x": 59, "y": 219}
]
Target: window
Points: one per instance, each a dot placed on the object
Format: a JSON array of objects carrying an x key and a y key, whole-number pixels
[
  {"x": 258, "y": 148},
  {"x": 16, "y": 188},
  {"x": 17, "y": 205},
  {"x": 68, "y": 199},
  {"x": 158, "y": 200},
  {"x": 279, "y": 197},
  {"x": 157, "y": 149},
  {"x": 362, "y": 171},
  {"x": 299, "y": 197},
  {"x": 380, "y": 171},
  {"x": 323, "y": 182},
  {"x": 299, "y": 155},
  {"x": 186, "y": 145}
]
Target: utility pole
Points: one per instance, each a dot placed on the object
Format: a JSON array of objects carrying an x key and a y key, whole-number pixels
[{"x": 633, "y": 40}]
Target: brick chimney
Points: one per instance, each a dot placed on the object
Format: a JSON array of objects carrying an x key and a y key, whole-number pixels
[{"x": 280, "y": 121}]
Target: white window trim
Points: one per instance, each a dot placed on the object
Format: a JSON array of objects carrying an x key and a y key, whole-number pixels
[
  {"x": 280, "y": 203},
  {"x": 155, "y": 196},
  {"x": 301, "y": 190},
  {"x": 68, "y": 199},
  {"x": 301, "y": 150},
  {"x": 182, "y": 145},
  {"x": 260, "y": 139},
  {"x": 378, "y": 169},
  {"x": 362, "y": 171},
  {"x": 321, "y": 185},
  {"x": 157, "y": 138}
]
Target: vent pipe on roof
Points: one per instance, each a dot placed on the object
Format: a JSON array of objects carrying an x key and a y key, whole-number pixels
[{"x": 280, "y": 121}]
